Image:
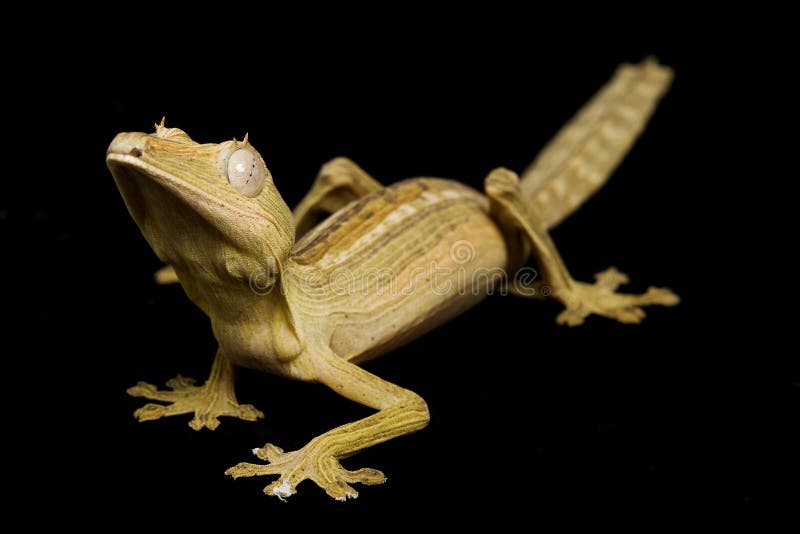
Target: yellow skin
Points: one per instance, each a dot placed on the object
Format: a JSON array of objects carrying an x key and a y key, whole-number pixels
[{"x": 272, "y": 282}]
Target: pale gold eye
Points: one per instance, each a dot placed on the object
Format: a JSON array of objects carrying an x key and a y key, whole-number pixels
[{"x": 246, "y": 173}]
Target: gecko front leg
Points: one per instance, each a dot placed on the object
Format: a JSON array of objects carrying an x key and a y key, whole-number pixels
[
  {"x": 400, "y": 412},
  {"x": 208, "y": 402},
  {"x": 514, "y": 213},
  {"x": 339, "y": 182}
]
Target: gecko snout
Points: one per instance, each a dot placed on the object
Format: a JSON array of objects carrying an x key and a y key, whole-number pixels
[{"x": 127, "y": 143}]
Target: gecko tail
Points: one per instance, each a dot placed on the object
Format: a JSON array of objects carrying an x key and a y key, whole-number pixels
[{"x": 584, "y": 153}]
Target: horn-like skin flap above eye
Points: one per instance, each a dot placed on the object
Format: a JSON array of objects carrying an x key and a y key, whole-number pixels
[{"x": 245, "y": 173}]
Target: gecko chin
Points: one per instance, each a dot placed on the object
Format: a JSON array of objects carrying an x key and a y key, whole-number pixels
[
  {"x": 157, "y": 210},
  {"x": 167, "y": 210},
  {"x": 131, "y": 185}
]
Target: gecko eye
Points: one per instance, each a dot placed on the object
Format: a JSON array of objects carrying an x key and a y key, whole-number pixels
[{"x": 246, "y": 173}]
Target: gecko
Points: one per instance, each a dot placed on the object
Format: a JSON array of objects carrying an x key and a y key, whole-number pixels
[{"x": 358, "y": 269}]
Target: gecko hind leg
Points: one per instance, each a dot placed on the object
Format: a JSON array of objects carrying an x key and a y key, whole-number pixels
[
  {"x": 339, "y": 182},
  {"x": 208, "y": 402},
  {"x": 515, "y": 215}
]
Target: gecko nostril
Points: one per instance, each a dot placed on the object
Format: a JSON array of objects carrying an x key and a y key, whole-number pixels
[{"x": 135, "y": 152}]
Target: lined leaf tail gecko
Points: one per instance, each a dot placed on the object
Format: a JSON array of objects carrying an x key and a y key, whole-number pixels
[{"x": 359, "y": 269}]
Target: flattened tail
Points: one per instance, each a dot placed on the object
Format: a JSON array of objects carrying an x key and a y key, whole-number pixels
[{"x": 582, "y": 156}]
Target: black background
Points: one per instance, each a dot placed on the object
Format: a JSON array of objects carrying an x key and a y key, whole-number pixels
[{"x": 530, "y": 421}]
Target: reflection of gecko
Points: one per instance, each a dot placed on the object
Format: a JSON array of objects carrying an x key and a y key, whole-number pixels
[{"x": 360, "y": 283}]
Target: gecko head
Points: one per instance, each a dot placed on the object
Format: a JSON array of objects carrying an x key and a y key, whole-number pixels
[{"x": 211, "y": 206}]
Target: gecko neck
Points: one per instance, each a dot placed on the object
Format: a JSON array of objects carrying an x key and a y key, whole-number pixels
[{"x": 251, "y": 319}]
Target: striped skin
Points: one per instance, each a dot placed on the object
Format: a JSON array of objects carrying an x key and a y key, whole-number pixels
[
  {"x": 386, "y": 269},
  {"x": 584, "y": 153}
]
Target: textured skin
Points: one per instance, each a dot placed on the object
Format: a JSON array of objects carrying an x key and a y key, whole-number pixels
[{"x": 389, "y": 264}]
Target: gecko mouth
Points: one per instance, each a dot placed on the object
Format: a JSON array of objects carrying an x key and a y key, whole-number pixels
[
  {"x": 137, "y": 179},
  {"x": 159, "y": 210},
  {"x": 130, "y": 184}
]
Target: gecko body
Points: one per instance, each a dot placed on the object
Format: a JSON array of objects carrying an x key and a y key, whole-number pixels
[{"x": 359, "y": 269}]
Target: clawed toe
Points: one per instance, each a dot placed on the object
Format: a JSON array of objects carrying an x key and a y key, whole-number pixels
[
  {"x": 151, "y": 412},
  {"x": 660, "y": 295},
  {"x": 142, "y": 389},
  {"x": 367, "y": 476},
  {"x": 181, "y": 382},
  {"x": 309, "y": 463},
  {"x": 204, "y": 420},
  {"x": 246, "y": 469},
  {"x": 269, "y": 452},
  {"x": 611, "y": 279}
]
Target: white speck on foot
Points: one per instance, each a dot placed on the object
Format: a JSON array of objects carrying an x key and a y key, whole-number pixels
[
  {"x": 347, "y": 496},
  {"x": 283, "y": 491},
  {"x": 255, "y": 450}
]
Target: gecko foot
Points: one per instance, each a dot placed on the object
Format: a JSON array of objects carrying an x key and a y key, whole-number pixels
[
  {"x": 207, "y": 402},
  {"x": 312, "y": 462},
  {"x": 584, "y": 299}
]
